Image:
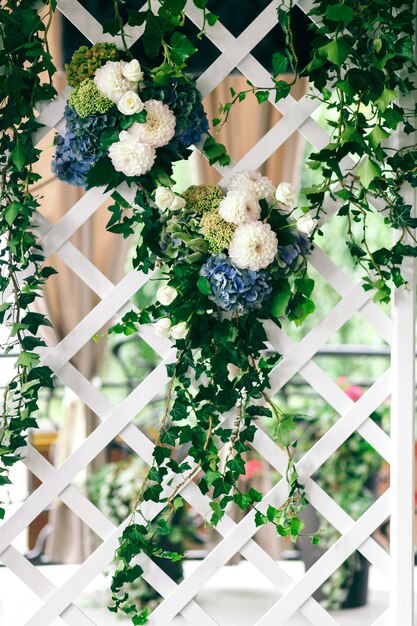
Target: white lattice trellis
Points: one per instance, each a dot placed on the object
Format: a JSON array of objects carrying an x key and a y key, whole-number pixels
[{"x": 297, "y": 357}]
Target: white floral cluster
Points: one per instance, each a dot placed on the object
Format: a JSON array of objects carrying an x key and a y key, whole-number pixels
[
  {"x": 254, "y": 244},
  {"x": 135, "y": 151},
  {"x": 164, "y": 327}
]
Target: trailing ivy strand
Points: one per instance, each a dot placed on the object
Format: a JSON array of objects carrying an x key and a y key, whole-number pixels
[
  {"x": 25, "y": 61},
  {"x": 363, "y": 70}
]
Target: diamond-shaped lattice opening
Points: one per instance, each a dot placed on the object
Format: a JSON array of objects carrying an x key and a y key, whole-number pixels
[
  {"x": 309, "y": 409},
  {"x": 355, "y": 354},
  {"x": 325, "y": 298},
  {"x": 351, "y": 474}
]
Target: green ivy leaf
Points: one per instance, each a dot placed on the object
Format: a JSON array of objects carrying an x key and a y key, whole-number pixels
[
  {"x": 12, "y": 211},
  {"x": 340, "y": 13},
  {"x": 19, "y": 156},
  {"x": 203, "y": 285},
  {"x": 367, "y": 170},
  {"x": 181, "y": 48},
  {"x": 385, "y": 99},
  {"x": 262, "y": 96},
  {"x": 281, "y": 296},
  {"x": 336, "y": 51},
  {"x": 279, "y": 63},
  {"x": 142, "y": 618}
]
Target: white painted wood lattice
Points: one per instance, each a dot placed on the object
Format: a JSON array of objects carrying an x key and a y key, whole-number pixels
[{"x": 398, "y": 450}]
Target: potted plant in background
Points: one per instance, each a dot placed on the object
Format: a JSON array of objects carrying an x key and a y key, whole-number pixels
[
  {"x": 350, "y": 477},
  {"x": 113, "y": 489}
]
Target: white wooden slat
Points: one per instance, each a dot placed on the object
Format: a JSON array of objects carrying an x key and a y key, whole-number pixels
[
  {"x": 242, "y": 45},
  {"x": 331, "y": 392},
  {"x": 56, "y": 357},
  {"x": 96, "y": 441},
  {"x": 403, "y": 439},
  {"x": 42, "y": 586},
  {"x": 276, "y": 496},
  {"x": 86, "y": 511},
  {"x": 322, "y": 502},
  {"x": 333, "y": 558},
  {"x": 342, "y": 284},
  {"x": 322, "y": 332},
  {"x": 139, "y": 443}
]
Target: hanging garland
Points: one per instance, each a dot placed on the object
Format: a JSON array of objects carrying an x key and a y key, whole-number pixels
[
  {"x": 363, "y": 69},
  {"x": 24, "y": 61}
]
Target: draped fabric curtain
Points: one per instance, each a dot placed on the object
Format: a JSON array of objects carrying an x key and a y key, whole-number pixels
[
  {"x": 67, "y": 300},
  {"x": 248, "y": 122}
]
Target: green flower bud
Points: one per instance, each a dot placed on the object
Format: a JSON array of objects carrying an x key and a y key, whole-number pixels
[
  {"x": 87, "y": 100},
  {"x": 202, "y": 198},
  {"x": 85, "y": 61},
  {"x": 217, "y": 231}
]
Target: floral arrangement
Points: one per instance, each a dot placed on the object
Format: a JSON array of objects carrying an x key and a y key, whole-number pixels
[
  {"x": 124, "y": 122},
  {"x": 228, "y": 258}
]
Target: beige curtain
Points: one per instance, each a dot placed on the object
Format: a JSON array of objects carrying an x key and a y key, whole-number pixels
[
  {"x": 247, "y": 123},
  {"x": 68, "y": 300}
]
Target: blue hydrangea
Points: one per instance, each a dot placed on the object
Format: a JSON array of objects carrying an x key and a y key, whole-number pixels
[
  {"x": 292, "y": 257},
  {"x": 233, "y": 289},
  {"x": 184, "y": 100},
  {"x": 80, "y": 148}
]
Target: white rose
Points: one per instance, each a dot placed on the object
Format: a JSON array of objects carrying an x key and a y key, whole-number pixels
[
  {"x": 286, "y": 194},
  {"x": 178, "y": 203},
  {"x": 162, "y": 327},
  {"x": 130, "y": 103},
  {"x": 132, "y": 70},
  {"x": 306, "y": 224},
  {"x": 166, "y": 294},
  {"x": 179, "y": 331},
  {"x": 164, "y": 198}
]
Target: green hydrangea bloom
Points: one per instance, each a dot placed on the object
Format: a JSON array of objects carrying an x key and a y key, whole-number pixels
[
  {"x": 86, "y": 99},
  {"x": 202, "y": 198},
  {"x": 85, "y": 61},
  {"x": 217, "y": 231}
]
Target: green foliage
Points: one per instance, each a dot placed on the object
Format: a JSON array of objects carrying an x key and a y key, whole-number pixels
[
  {"x": 26, "y": 68},
  {"x": 364, "y": 53}
]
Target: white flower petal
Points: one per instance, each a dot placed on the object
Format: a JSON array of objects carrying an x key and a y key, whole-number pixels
[{"x": 254, "y": 246}]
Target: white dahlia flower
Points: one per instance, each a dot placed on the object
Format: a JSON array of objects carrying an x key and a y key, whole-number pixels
[
  {"x": 254, "y": 246},
  {"x": 111, "y": 82},
  {"x": 130, "y": 156},
  {"x": 239, "y": 207},
  {"x": 132, "y": 70},
  {"x": 159, "y": 128},
  {"x": 286, "y": 194},
  {"x": 253, "y": 182},
  {"x": 130, "y": 103}
]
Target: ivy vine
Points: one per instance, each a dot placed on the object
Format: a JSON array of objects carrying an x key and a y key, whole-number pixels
[
  {"x": 363, "y": 69},
  {"x": 24, "y": 61}
]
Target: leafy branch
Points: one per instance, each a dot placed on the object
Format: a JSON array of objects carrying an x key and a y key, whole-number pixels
[{"x": 23, "y": 58}]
